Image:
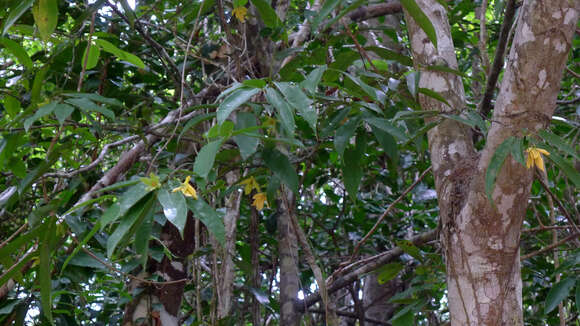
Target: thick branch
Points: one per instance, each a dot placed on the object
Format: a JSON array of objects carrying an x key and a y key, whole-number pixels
[{"x": 374, "y": 11}]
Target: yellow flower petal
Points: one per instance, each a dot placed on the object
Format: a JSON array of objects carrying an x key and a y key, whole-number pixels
[
  {"x": 535, "y": 157},
  {"x": 543, "y": 151},
  {"x": 186, "y": 189},
  {"x": 259, "y": 200},
  {"x": 250, "y": 184},
  {"x": 240, "y": 13}
]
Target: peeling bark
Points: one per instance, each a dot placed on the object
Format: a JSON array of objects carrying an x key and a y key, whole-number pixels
[{"x": 481, "y": 239}]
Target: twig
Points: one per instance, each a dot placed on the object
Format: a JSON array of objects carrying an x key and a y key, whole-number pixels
[
  {"x": 88, "y": 50},
  {"x": 386, "y": 212},
  {"x": 548, "y": 228},
  {"x": 550, "y": 247},
  {"x": 13, "y": 235},
  {"x": 558, "y": 202},
  {"x": 360, "y": 49},
  {"x": 483, "y": 38},
  {"x": 498, "y": 60}
]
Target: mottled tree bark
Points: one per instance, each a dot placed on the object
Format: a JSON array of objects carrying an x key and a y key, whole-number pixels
[
  {"x": 482, "y": 239},
  {"x": 376, "y": 298}
]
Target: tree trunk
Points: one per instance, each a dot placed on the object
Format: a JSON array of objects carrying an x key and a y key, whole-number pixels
[
  {"x": 288, "y": 256},
  {"x": 482, "y": 239},
  {"x": 376, "y": 298}
]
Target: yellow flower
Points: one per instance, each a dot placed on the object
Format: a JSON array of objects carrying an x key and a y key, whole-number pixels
[
  {"x": 240, "y": 13},
  {"x": 250, "y": 184},
  {"x": 535, "y": 157},
  {"x": 260, "y": 200},
  {"x": 187, "y": 189}
]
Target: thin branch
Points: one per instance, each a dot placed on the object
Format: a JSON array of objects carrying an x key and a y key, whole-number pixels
[
  {"x": 374, "y": 11},
  {"x": 550, "y": 247},
  {"x": 353, "y": 316},
  {"x": 13, "y": 235},
  {"x": 542, "y": 181},
  {"x": 498, "y": 60},
  {"x": 386, "y": 212},
  {"x": 370, "y": 264},
  {"x": 548, "y": 228}
]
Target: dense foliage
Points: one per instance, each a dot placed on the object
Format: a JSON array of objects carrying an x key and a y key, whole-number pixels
[{"x": 221, "y": 98}]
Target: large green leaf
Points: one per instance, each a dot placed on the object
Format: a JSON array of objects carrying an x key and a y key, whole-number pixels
[
  {"x": 557, "y": 142},
  {"x": 247, "y": 144},
  {"x": 391, "y": 55},
  {"x": 496, "y": 163},
  {"x": 129, "y": 224},
  {"x": 388, "y": 127},
  {"x": 174, "y": 208},
  {"x": 389, "y": 272},
  {"x": 352, "y": 172},
  {"x": 565, "y": 166},
  {"x": 284, "y": 109},
  {"x": 87, "y": 105},
  {"x": 45, "y": 269},
  {"x": 41, "y": 112},
  {"x": 313, "y": 79},
  {"x": 344, "y": 133},
  {"x": 62, "y": 112},
  {"x": 296, "y": 97},
  {"x": 210, "y": 218},
  {"x": 268, "y": 14},
  {"x": 91, "y": 57},
  {"x": 233, "y": 101},
  {"x": 18, "y": 8},
  {"x": 45, "y": 14},
  {"x": 122, "y": 55},
  {"x": 205, "y": 158},
  {"x": 324, "y": 13},
  {"x": 279, "y": 164},
  {"x": 421, "y": 19},
  {"x": 95, "y": 98},
  {"x": 18, "y": 51},
  {"x": 558, "y": 292}
]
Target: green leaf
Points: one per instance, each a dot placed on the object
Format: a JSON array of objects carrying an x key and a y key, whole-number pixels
[
  {"x": 313, "y": 79},
  {"x": 45, "y": 269},
  {"x": 557, "y": 142},
  {"x": 233, "y": 101},
  {"x": 96, "y": 98},
  {"x": 205, "y": 158},
  {"x": 92, "y": 58},
  {"x": 344, "y": 133},
  {"x": 174, "y": 208},
  {"x": 284, "y": 109},
  {"x": 195, "y": 121},
  {"x": 517, "y": 150},
  {"x": 129, "y": 224},
  {"x": 391, "y": 55},
  {"x": 557, "y": 293},
  {"x": 431, "y": 93},
  {"x": 142, "y": 236},
  {"x": 19, "y": 7},
  {"x": 120, "y": 54},
  {"x": 407, "y": 319},
  {"x": 12, "y": 105},
  {"x": 388, "y": 143},
  {"x": 18, "y": 51},
  {"x": 388, "y": 127},
  {"x": 87, "y": 105},
  {"x": 577, "y": 295},
  {"x": 370, "y": 91},
  {"x": 565, "y": 166},
  {"x": 495, "y": 165},
  {"x": 324, "y": 13},
  {"x": 267, "y": 13},
  {"x": 352, "y": 172},
  {"x": 210, "y": 218},
  {"x": 412, "y": 79},
  {"x": 279, "y": 164},
  {"x": 247, "y": 144},
  {"x": 85, "y": 240},
  {"x": 296, "y": 97},
  {"x": 421, "y": 19},
  {"x": 45, "y": 14},
  {"x": 63, "y": 111},
  {"x": 41, "y": 112},
  {"x": 127, "y": 200},
  {"x": 110, "y": 215},
  {"x": 83, "y": 259},
  {"x": 16, "y": 268},
  {"x": 389, "y": 272},
  {"x": 255, "y": 83}
]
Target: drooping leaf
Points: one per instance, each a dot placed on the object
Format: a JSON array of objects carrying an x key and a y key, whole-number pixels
[
  {"x": 279, "y": 164},
  {"x": 296, "y": 97},
  {"x": 206, "y": 157},
  {"x": 18, "y": 51},
  {"x": 18, "y": 8},
  {"x": 389, "y": 272},
  {"x": 344, "y": 133},
  {"x": 45, "y": 269},
  {"x": 313, "y": 79},
  {"x": 247, "y": 144},
  {"x": 174, "y": 208},
  {"x": 96, "y": 98},
  {"x": 41, "y": 112},
  {"x": 495, "y": 165},
  {"x": 388, "y": 127},
  {"x": 558, "y": 293},
  {"x": 352, "y": 172},
  {"x": 122, "y": 55},
  {"x": 420, "y": 19},
  {"x": 433, "y": 94},
  {"x": 268, "y": 15},
  {"x": 559, "y": 143},
  {"x": 565, "y": 166},
  {"x": 284, "y": 109},
  {"x": 45, "y": 14},
  {"x": 92, "y": 57},
  {"x": 62, "y": 112},
  {"x": 87, "y": 105},
  {"x": 233, "y": 101},
  {"x": 391, "y": 55},
  {"x": 210, "y": 218},
  {"x": 129, "y": 224},
  {"x": 327, "y": 7},
  {"x": 407, "y": 319}
]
